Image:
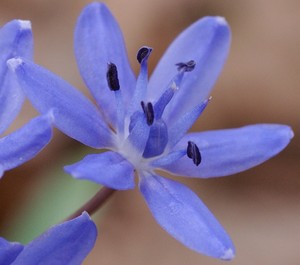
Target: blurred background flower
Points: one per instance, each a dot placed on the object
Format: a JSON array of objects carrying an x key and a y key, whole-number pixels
[{"x": 260, "y": 83}]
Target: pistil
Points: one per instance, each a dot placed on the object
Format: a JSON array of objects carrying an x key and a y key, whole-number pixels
[
  {"x": 173, "y": 86},
  {"x": 142, "y": 80}
]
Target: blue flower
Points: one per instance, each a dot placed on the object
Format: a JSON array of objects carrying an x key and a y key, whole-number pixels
[
  {"x": 144, "y": 125},
  {"x": 64, "y": 244},
  {"x": 20, "y": 146}
]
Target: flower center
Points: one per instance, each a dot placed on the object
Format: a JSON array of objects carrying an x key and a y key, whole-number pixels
[{"x": 142, "y": 132}]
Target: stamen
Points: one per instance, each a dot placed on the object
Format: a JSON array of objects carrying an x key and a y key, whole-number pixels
[
  {"x": 186, "y": 67},
  {"x": 163, "y": 101},
  {"x": 112, "y": 77},
  {"x": 193, "y": 153},
  {"x": 149, "y": 112},
  {"x": 114, "y": 85},
  {"x": 143, "y": 53},
  {"x": 142, "y": 80},
  {"x": 173, "y": 86}
]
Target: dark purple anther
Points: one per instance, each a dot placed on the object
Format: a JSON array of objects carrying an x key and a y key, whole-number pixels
[
  {"x": 149, "y": 112},
  {"x": 193, "y": 153},
  {"x": 186, "y": 67},
  {"x": 143, "y": 53},
  {"x": 112, "y": 77}
]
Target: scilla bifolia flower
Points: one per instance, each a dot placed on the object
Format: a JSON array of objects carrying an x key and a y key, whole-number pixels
[
  {"x": 144, "y": 125},
  {"x": 23, "y": 144},
  {"x": 64, "y": 244}
]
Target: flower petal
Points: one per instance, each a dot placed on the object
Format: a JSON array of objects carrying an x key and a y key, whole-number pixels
[
  {"x": 206, "y": 42},
  {"x": 9, "y": 251},
  {"x": 24, "y": 144},
  {"x": 182, "y": 214},
  {"x": 65, "y": 244},
  {"x": 225, "y": 152},
  {"x": 11, "y": 98},
  {"x": 99, "y": 41},
  {"x": 74, "y": 114},
  {"x": 108, "y": 169},
  {"x": 15, "y": 39}
]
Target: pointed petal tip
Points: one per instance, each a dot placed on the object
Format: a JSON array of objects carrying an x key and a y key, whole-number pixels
[
  {"x": 285, "y": 132},
  {"x": 206, "y": 101},
  {"x": 221, "y": 21},
  {"x": 229, "y": 254},
  {"x": 85, "y": 217},
  {"x": 24, "y": 24},
  {"x": 14, "y": 63},
  {"x": 291, "y": 132},
  {"x": 50, "y": 116},
  {"x": 97, "y": 7},
  {"x": 217, "y": 20},
  {"x": 70, "y": 170},
  {"x": 85, "y": 214}
]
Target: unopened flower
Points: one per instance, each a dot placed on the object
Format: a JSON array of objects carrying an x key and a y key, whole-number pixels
[
  {"x": 144, "y": 125},
  {"x": 23, "y": 144},
  {"x": 64, "y": 244}
]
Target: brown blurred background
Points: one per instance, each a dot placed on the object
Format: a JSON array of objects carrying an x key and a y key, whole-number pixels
[{"x": 260, "y": 83}]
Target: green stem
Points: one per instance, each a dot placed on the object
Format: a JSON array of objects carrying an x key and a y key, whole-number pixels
[{"x": 94, "y": 203}]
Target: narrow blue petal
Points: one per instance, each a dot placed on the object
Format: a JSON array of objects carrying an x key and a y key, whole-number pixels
[
  {"x": 11, "y": 100},
  {"x": 65, "y": 244},
  {"x": 108, "y": 169},
  {"x": 226, "y": 152},
  {"x": 9, "y": 251},
  {"x": 74, "y": 114},
  {"x": 25, "y": 143},
  {"x": 206, "y": 42},
  {"x": 15, "y": 40},
  {"x": 99, "y": 41},
  {"x": 182, "y": 214}
]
